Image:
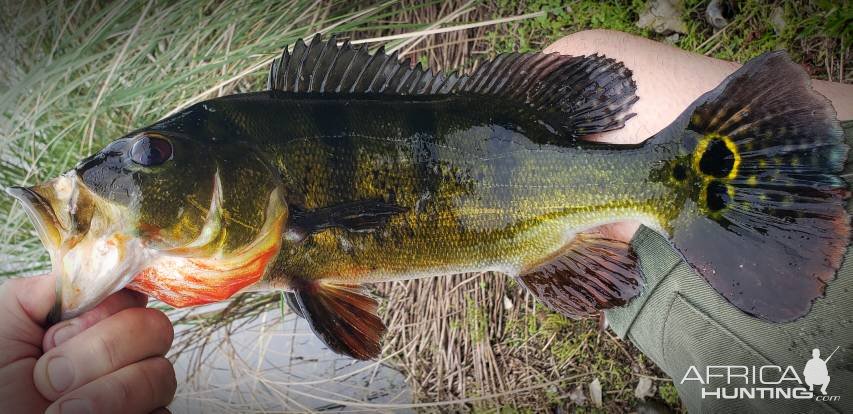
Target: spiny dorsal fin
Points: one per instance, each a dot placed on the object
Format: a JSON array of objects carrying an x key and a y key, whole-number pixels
[
  {"x": 325, "y": 67},
  {"x": 575, "y": 95},
  {"x": 591, "y": 274}
]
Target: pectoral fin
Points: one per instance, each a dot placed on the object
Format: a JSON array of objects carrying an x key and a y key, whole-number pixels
[
  {"x": 591, "y": 274},
  {"x": 342, "y": 316},
  {"x": 356, "y": 216}
]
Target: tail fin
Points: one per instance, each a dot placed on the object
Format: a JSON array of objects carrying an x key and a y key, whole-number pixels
[{"x": 761, "y": 158}]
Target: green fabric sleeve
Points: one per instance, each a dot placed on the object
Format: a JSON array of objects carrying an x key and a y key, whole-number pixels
[{"x": 680, "y": 321}]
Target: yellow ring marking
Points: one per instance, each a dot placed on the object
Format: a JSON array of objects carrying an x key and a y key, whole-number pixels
[
  {"x": 702, "y": 146},
  {"x": 733, "y": 148}
]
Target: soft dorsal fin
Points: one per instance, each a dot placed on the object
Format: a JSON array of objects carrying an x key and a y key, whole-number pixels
[
  {"x": 342, "y": 316},
  {"x": 574, "y": 95},
  {"x": 591, "y": 274}
]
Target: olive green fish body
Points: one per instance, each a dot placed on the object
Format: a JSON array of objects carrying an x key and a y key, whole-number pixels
[
  {"x": 353, "y": 167},
  {"x": 482, "y": 187}
]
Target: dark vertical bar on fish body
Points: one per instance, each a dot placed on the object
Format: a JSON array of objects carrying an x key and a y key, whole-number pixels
[
  {"x": 335, "y": 125},
  {"x": 422, "y": 133},
  {"x": 479, "y": 182}
]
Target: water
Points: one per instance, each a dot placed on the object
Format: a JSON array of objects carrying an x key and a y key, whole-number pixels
[{"x": 279, "y": 365}]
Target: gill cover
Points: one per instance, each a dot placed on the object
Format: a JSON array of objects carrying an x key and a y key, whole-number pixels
[
  {"x": 169, "y": 213},
  {"x": 209, "y": 212}
]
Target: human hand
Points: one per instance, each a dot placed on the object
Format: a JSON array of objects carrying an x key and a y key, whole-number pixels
[
  {"x": 108, "y": 360},
  {"x": 668, "y": 81}
]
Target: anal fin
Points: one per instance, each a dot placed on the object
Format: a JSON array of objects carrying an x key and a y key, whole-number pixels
[
  {"x": 342, "y": 316},
  {"x": 590, "y": 274}
]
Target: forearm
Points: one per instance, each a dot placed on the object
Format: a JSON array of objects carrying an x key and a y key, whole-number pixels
[{"x": 669, "y": 79}]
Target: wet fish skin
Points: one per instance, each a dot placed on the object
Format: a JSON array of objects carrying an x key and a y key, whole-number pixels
[{"x": 355, "y": 168}]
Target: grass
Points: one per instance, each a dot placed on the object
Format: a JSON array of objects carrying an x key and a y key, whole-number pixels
[
  {"x": 82, "y": 73},
  {"x": 89, "y": 72},
  {"x": 817, "y": 34}
]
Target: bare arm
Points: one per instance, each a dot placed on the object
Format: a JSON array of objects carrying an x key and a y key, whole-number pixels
[{"x": 668, "y": 81}]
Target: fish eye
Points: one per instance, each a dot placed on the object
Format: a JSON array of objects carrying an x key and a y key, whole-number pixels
[{"x": 150, "y": 150}]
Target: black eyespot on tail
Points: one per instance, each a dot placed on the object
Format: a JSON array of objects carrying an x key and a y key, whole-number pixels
[
  {"x": 717, "y": 195},
  {"x": 717, "y": 160},
  {"x": 768, "y": 227}
]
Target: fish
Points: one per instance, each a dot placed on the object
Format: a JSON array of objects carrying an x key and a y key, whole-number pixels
[{"x": 353, "y": 167}]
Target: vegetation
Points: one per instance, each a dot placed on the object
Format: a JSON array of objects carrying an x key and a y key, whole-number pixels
[
  {"x": 78, "y": 74},
  {"x": 817, "y": 34}
]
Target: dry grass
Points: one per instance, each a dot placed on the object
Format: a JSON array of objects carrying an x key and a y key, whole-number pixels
[
  {"x": 482, "y": 335},
  {"x": 456, "y": 336}
]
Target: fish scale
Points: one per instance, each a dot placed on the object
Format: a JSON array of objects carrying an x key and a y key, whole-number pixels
[
  {"x": 497, "y": 198},
  {"x": 355, "y": 167}
]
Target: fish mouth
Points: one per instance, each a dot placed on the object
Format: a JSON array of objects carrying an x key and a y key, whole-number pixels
[
  {"x": 40, "y": 212},
  {"x": 87, "y": 253},
  {"x": 49, "y": 230}
]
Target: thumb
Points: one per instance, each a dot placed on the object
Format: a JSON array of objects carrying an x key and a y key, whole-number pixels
[
  {"x": 25, "y": 303},
  {"x": 34, "y": 296}
]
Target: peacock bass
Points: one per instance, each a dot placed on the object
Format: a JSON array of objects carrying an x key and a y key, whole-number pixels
[{"x": 354, "y": 167}]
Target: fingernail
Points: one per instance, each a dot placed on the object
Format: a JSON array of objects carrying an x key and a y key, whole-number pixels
[
  {"x": 59, "y": 373},
  {"x": 75, "y": 406},
  {"x": 63, "y": 334}
]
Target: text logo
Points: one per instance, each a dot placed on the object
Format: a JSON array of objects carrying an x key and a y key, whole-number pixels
[{"x": 765, "y": 381}]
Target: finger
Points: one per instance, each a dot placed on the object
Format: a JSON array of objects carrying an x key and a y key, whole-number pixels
[
  {"x": 621, "y": 230},
  {"x": 127, "y": 337},
  {"x": 113, "y": 304},
  {"x": 34, "y": 295},
  {"x": 138, "y": 388}
]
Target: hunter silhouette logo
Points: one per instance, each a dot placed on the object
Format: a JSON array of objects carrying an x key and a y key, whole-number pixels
[{"x": 815, "y": 372}]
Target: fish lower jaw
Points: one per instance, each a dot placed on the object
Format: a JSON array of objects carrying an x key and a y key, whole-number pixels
[{"x": 94, "y": 269}]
